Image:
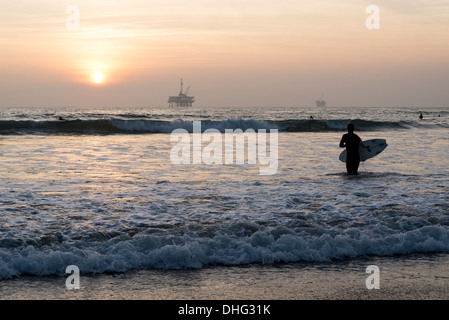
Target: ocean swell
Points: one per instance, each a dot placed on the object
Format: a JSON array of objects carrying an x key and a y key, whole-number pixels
[{"x": 141, "y": 126}]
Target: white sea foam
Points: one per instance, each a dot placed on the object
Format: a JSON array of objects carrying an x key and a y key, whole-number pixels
[{"x": 194, "y": 251}]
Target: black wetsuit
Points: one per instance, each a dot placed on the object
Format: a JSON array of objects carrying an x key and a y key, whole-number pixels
[{"x": 351, "y": 141}]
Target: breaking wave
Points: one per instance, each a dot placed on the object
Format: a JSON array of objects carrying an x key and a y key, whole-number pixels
[
  {"x": 141, "y": 126},
  {"x": 237, "y": 244}
]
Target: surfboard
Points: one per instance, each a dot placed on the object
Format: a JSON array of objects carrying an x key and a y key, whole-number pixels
[{"x": 368, "y": 149}]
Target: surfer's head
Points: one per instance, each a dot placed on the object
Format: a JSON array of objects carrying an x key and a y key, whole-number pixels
[{"x": 350, "y": 128}]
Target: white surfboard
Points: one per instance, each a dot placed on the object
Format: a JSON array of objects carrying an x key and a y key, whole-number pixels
[{"x": 368, "y": 149}]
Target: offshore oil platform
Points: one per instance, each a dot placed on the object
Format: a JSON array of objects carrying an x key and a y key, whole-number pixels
[
  {"x": 182, "y": 99},
  {"x": 321, "y": 103}
]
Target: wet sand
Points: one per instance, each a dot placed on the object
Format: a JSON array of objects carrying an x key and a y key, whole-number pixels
[{"x": 417, "y": 277}]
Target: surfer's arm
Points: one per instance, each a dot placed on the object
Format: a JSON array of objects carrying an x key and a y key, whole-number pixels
[{"x": 343, "y": 142}]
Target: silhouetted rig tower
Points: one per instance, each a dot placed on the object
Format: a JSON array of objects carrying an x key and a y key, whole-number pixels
[{"x": 182, "y": 99}]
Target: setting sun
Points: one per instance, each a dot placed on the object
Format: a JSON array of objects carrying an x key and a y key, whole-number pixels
[{"x": 98, "y": 77}]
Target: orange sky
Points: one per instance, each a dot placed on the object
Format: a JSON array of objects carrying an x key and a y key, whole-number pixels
[{"x": 231, "y": 53}]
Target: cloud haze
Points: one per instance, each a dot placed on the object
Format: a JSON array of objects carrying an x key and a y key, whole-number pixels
[{"x": 230, "y": 52}]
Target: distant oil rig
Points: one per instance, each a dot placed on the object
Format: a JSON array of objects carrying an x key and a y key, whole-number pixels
[
  {"x": 182, "y": 99},
  {"x": 321, "y": 103}
]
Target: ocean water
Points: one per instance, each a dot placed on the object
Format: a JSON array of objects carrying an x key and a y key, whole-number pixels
[{"x": 99, "y": 190}]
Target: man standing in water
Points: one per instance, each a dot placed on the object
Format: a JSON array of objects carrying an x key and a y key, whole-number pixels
[{"x": 351, "y": 142}]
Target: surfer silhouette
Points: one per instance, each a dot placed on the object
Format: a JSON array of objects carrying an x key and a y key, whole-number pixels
[
  {"x": 351, "y": 142},
  {"x": 420, "y": 116}
]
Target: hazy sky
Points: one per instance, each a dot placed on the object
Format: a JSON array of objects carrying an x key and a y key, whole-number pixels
[{"x": 232, "y": 52}]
